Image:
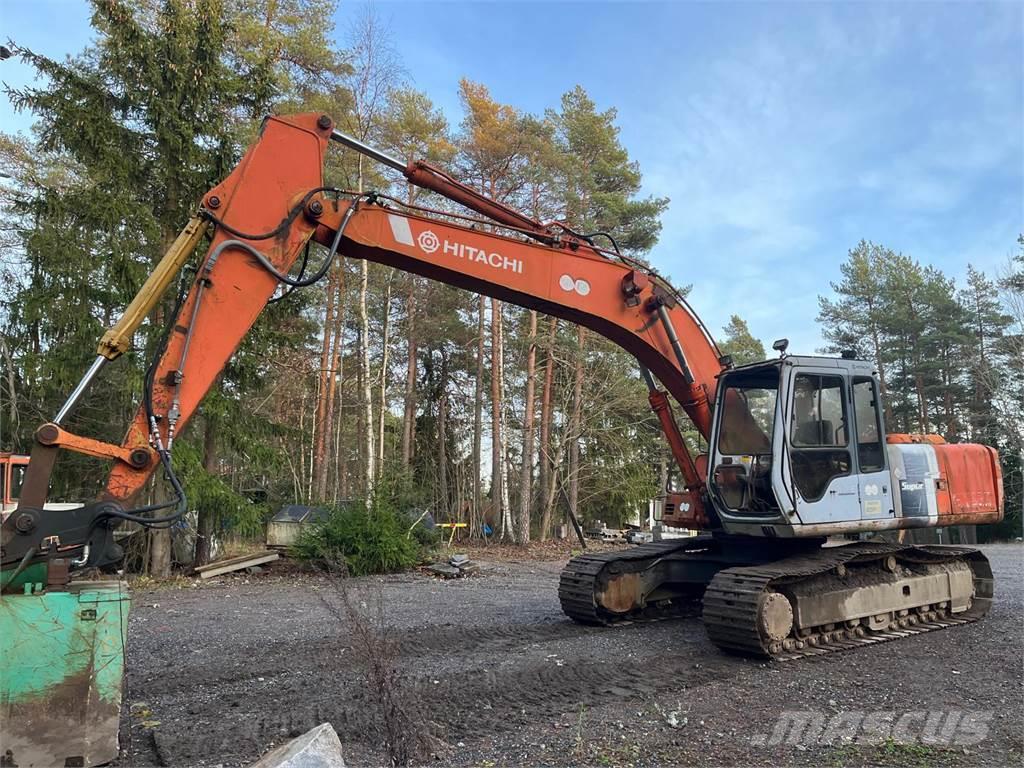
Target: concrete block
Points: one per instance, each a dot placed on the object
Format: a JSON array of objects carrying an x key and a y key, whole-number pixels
[{"x": 316, "y": 748}]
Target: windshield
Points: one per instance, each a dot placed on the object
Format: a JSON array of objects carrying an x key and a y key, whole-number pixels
[{"x": 748, "y": 414}]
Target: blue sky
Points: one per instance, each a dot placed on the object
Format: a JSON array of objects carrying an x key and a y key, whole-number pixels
[{"x": 782, "y": 132}]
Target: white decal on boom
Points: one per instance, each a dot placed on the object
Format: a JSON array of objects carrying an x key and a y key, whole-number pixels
[
  {"x": 400, "y": 229},
  {"x": 495, "y": 260},
  {"x": 429, "y": 242}
]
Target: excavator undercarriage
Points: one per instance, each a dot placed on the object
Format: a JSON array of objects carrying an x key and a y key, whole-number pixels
[{"x": 782, "y": 602}]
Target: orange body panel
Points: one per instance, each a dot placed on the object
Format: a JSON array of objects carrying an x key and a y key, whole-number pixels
[
  {"x": 680, "y": 512},
  {"x": 903, "y": 438},
  {"x": 51, "y": 434},
  {"x": 970, "y": 487}
]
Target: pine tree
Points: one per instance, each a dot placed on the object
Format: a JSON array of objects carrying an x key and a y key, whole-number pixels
[
  {"x": 597, "y": 192},
  {"x": 413, "y": 129},
  {"x": 492, "y": 156},
  {"x": 740, "y": 344},
  {"x": 599, "y": 182},
  {"x": 856, "y": 321},
  {"x": 985, "y": 326}
]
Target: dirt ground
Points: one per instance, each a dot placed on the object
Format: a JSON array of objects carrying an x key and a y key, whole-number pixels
[{"x": 221, "y": 672}]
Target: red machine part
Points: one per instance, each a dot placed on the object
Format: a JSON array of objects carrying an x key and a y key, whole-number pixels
[
  {"x": 277, "y": 171},
  {"x": 971, "y": 484},
  {"x": 10, "y": 464},
  {"x": 969, "y": 490}
]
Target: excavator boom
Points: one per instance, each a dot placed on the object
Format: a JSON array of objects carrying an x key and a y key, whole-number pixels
[
  {"x": 274, "y": 202},
  {"x": 571, "y": 279}
]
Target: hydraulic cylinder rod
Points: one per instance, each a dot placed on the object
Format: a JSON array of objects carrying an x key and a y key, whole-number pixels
[
  {"x": 673, "y": 339},
  {"x": 426, "y": 176},
  {"x": 365, "y": 149},
  {"x": 118, "y": 339}
]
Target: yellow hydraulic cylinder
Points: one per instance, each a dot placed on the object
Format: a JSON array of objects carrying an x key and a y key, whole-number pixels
[{"x": 118, "y": 339}]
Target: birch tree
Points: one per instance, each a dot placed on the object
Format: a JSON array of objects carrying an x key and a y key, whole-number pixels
[{"x": 376, "y": 73}]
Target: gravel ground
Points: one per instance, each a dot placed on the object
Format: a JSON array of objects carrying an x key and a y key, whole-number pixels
[{"x": 221, "y": 672}]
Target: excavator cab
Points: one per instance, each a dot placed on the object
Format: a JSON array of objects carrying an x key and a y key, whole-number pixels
[{"x": 798, "y": 448}]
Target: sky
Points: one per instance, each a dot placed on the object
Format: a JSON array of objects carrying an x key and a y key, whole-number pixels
[{"x": 782, "y": 133}]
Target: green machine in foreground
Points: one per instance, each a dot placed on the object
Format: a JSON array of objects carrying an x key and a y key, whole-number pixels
[{"x": 61, "y": 669}]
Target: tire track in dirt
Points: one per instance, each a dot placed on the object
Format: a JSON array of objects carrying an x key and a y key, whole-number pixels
[
  {"x": 471, "y": 704},
  {"x": 285, "y": 657}
]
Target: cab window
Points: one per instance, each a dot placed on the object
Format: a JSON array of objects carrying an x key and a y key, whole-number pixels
[
  {"x": 17, "y": 477},
  {"x": 819, "y": 435},
  {"x": 742, "y": 473},
  {"x": 819, "y": 413},
  {"x": 870, "y": 452},
  {"x": 748, "y": 417}
]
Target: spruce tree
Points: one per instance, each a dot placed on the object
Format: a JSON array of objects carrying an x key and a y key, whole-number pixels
[{"x": 146, "y": 119}]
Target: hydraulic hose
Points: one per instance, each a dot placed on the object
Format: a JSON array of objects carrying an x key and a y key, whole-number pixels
[{"x": 180, "y": 501}]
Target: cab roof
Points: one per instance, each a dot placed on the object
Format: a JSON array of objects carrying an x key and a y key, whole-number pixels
[{"x": 861, "y": 367}]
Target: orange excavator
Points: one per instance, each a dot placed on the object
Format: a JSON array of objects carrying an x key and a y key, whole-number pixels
[{"x": 798, "y": 455}]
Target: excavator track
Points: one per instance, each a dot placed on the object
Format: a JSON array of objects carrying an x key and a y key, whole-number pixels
[
  {"x": 877, "y": 591},
  {"x": 747, "y": 610},
  {"x": 584, "y": 577}
]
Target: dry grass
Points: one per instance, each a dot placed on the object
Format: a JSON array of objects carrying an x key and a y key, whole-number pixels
[{"x": 399, "y": 724}]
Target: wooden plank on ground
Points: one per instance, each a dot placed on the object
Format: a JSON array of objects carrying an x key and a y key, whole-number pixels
[{"x": 236, "y": 564}]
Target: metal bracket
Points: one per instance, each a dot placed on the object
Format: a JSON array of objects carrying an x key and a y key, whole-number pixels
[{"x": 54, "y": 436}]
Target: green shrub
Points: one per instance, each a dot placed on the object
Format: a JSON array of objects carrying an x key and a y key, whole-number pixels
[{"x": 360, "y": 538}]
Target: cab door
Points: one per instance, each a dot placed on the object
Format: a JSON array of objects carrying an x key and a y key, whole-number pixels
[
  {"x": 820, "y": 447},
  {"x": 875, "y": 482}
]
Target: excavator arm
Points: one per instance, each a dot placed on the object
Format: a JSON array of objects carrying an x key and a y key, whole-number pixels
[{"x": 262, "y": 216}]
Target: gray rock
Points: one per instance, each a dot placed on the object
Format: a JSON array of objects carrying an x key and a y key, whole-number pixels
[
  {"x": 316, "y": 748},
  {"x": 467, "y": 568},
  {"x": 443, "y": 569},
  {"x": 458, "y": 560}
]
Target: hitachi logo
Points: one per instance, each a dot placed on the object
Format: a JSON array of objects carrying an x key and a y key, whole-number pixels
[
  {"x": 429, "y": 242},
  {"x": 470, "y": 253}
]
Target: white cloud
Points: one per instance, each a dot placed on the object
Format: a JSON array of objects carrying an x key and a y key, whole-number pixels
[{"x": 798, "y": 140}]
